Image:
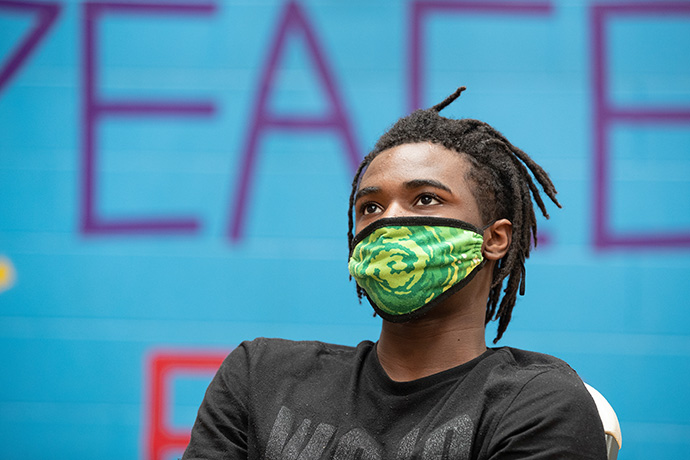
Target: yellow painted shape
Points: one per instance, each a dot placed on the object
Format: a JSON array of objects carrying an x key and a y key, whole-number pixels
[{"x": 6, "y": 274}]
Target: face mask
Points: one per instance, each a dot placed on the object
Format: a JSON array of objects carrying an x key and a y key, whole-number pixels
[{"x": 406, "y": 265}]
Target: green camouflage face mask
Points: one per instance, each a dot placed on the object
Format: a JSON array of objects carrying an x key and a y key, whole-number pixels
[{"x": 406, "y": 265}]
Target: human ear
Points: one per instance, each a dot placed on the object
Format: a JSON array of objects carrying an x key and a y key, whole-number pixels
[{"x": 497, "y": 238}]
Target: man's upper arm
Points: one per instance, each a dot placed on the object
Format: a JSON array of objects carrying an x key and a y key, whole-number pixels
[
  {"x": 220, "y": 429},
  {"x": 553, "y": 416}
]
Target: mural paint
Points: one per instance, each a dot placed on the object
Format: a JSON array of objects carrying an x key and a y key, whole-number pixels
[{"x": 174, "y": 180}]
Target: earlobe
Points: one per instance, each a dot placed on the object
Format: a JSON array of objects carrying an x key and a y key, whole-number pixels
[{"x": 497, "y": 239}]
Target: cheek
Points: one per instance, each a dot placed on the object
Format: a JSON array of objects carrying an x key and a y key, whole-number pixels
[
  {"x": 360, "y": 224},
  {"x": 469, "y": 208}
]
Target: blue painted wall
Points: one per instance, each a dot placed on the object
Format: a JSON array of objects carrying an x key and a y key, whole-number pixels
[{"x": 127, "y": 235}]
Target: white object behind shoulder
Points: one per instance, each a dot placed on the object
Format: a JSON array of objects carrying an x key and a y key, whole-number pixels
[{"x": 612, "y": 428}]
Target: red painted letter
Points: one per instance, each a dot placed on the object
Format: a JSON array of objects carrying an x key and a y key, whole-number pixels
[{"x": 162, "y": 368}]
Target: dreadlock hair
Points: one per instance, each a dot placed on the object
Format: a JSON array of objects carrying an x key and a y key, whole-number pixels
[{"x": 501, "y": 184}]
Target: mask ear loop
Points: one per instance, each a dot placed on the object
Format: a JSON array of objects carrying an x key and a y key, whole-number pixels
[
  {"x": 522, "y": 278},
  {"x": 483, "y": 229}
]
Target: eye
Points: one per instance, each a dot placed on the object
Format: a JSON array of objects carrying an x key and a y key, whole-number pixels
[
  {"x": 368, "y": 208},
  {"x": 428, "y": 199}
]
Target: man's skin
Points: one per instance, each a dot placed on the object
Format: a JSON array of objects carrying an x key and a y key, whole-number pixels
[{"x": 429, "y": 180}]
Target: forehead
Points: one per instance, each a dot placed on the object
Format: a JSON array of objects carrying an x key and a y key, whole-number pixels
[{"x": 417, "y": 161}]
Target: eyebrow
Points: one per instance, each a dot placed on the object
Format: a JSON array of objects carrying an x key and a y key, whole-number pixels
[
  {"x": 366, "y": 191},
  {"x": 410, "y": 185},
  {"x": 418, "y": 183}
]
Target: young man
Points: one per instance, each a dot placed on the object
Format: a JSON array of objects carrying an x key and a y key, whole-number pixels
[{"x": 440, "y": 217}]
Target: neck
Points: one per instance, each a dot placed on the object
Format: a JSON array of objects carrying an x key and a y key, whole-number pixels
[
  {"x": 432, "y": 344},
  {"x": 450, "y": 334}
]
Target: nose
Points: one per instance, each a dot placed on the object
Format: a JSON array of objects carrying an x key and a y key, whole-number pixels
[{"x": 394, "y": 209}]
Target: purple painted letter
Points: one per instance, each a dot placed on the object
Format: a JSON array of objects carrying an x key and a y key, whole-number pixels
[
  {"x": 293, "y": 22},
  {"x": 421, "y": 10},
  {"x": 606, "y": 114},
  {"x": 96, "y": 108},
  {"x": 47, "y": 13}
]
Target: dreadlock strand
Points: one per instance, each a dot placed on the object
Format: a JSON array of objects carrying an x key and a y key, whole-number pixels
[
  {"x": 449, "y": 100},
  {"x": 351, "y": 206},
  {"x": 494, "y": 296},
  {"x": 538, "y": 173}
]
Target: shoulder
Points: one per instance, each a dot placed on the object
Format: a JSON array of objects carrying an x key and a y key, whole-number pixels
[
  {"x": 525, "y": 359},
  {"x": 261, "y": 365},
  {"x": 262, "y": 344},
  {"x": 534, "y": 394},
  {"x": 522, "y": 367},
  {"x": 532, "y": 375},
  {"x": 274, "y": 355},
  {"x": 267, "y": 347}
]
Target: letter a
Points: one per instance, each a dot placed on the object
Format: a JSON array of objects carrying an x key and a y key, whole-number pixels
[{"x": 293, "y": 22}]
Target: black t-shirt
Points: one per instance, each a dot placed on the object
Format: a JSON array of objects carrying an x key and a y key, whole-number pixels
[{"x": 276, "y": 399}]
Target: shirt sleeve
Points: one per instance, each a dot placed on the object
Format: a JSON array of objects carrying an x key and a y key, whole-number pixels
[
  {"x": 220, "y": 429},
  {"x": 551, "y": 417}
]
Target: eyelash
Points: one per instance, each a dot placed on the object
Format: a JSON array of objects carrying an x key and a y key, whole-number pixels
[
  {"x": 362, "y": 208},
  {"x": 428, "y": 194}
]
